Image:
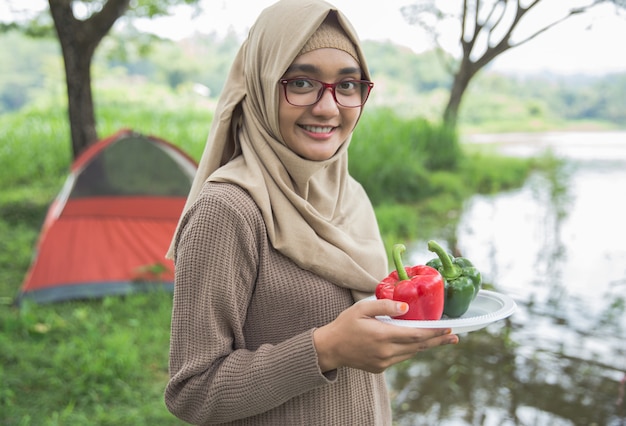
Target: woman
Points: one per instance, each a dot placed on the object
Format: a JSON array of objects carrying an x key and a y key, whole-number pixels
[{"x": 277, "y": 242}]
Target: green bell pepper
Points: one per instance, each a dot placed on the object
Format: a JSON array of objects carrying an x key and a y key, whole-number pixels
[{"x": 462, "y": 280}]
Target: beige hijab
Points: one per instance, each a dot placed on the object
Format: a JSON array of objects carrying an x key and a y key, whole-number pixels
[{"x": 315, "y": 212}]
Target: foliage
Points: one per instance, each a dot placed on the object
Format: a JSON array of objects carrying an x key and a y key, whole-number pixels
[
  {"x": 403, "y": 160},
  {"x": 169, "y": 63},
  {"x": 422, "y": 73},
  {"x": 17, "y": 129},
  {"x": 388, "y": 158},
  {"x": 413, "y": 85},
  {"x": 25, "y": 66},
  {"x": 182, "y": 118},
  {"x": 590, "y": 99}
]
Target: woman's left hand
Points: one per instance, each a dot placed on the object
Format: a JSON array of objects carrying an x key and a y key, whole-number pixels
[{"x": 357, "y": 339}]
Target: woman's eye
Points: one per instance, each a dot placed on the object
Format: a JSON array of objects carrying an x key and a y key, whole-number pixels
[
  {"x": 347, "y": 85},
  {"x": 301, "y": 83}
]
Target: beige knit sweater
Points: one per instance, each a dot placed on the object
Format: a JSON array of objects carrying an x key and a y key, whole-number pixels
[{"x": 241, "y": 347}]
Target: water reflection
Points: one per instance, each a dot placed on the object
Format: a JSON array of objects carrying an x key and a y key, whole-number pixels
[{"x": 558, "y": 247}]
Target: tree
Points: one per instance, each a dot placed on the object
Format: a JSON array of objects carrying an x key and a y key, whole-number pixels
[
  {"x": 487, "y": 29},
  {"x": 79, "y": 37}
]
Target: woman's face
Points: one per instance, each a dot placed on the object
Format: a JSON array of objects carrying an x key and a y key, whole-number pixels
[{"x": 317, "y": 131}]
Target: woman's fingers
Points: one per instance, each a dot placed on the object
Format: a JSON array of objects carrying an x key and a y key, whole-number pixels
[
  {"x": 401, "y": 335},
  {"x": 356, "y": 339},
  {"x": 379, "y": 307}
]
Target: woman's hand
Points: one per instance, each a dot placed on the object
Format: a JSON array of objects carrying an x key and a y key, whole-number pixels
[{"x": 357, "y": 339}]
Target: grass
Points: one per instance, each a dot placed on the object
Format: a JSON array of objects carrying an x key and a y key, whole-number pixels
[
  {"x": 91, "y": 362},
  {"x": 104, "y": 362}
]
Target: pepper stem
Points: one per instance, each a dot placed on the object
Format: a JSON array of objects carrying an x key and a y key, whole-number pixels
[
  {"x": 398, "y": 249},
  {"x": 450, "y": 270}
]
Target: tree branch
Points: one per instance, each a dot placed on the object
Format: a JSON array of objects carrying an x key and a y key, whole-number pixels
[
  {"x": 98, "y": 25},
  {"x": 498, "y": 19},
  {"x": 547, "y": 27}
]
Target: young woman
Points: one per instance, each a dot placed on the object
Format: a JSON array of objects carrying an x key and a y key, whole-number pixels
[{"x": 277, "y": 243}]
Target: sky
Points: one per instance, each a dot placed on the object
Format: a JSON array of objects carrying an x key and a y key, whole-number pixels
[{"x": 592, "y": 44}]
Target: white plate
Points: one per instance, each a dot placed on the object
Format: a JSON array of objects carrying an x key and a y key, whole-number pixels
[{"x": 488, "y": 307}]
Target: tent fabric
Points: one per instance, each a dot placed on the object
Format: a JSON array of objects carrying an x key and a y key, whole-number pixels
[{"x": 107, "y": 231}]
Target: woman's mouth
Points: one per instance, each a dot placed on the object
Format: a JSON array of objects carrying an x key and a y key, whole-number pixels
[{"x": 318, "y": 129}]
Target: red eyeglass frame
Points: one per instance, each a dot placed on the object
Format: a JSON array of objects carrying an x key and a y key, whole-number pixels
[{"x": 368, "y": 84}]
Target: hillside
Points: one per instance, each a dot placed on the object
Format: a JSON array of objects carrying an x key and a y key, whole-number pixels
[{"x": 411, "y": 84}]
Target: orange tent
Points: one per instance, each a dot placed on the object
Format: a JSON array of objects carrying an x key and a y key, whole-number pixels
[{"x": 109, "y": 228}]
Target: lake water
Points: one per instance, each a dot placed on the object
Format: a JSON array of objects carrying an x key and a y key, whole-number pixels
[{"x": 557, "y": 246}]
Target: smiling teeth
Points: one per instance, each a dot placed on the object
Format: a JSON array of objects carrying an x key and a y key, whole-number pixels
[{"x": 318, "y": 129}]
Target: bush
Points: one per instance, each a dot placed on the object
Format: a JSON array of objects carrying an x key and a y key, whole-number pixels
[{"x": 393, "y": 156}]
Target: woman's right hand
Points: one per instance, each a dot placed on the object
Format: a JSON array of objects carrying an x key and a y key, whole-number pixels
[{"x": 357, "y": 339}]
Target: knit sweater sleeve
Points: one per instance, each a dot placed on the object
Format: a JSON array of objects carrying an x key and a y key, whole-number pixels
[{"x": 214, "y": 376}]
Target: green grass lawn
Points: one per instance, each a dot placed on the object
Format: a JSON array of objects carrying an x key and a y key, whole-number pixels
[{"x": 98, "y": 362}]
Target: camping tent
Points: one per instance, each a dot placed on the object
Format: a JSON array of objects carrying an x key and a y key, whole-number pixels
[{"x": 109, "y": 228}]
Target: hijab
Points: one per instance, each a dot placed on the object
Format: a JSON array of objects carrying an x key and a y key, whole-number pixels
[{"x": 315, "y": 212}]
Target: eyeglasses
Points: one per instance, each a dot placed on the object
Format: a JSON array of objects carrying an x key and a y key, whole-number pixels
[{"x": 308, "y": 91}]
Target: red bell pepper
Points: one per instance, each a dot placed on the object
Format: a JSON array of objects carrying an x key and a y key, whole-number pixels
[{"x": 421, "y": 286}]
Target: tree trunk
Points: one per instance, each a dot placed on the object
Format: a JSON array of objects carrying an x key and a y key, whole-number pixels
[
  {"x": 461, "y": 81},
  {"x": 77, "y": 59},
  {"x": 79, "y": 40}
]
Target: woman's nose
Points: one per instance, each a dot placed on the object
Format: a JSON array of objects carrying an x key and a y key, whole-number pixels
[{"x": 326, "y": 104}]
